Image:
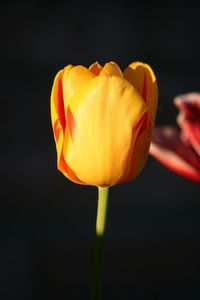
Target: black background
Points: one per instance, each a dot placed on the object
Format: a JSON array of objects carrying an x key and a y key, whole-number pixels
[{"x": 47, "y": 223}]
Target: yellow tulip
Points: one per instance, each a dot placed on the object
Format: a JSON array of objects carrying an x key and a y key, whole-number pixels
[{"x": 102, "y": 121}]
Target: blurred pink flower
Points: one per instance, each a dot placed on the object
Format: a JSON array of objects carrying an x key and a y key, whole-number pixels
[{"x": 179, "y": 149}]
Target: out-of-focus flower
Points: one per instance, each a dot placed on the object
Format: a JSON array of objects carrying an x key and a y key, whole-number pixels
[
  {"x": 102, "y": 121},
  {"x": 179, "y": 149}
]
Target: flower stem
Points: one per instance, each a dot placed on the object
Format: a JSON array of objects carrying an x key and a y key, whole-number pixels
[{"x": 103, "y": 193}]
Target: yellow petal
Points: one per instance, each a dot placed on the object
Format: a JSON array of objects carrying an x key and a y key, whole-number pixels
[
  {"x": 57, "y": 111},
  {"x": 105, "y": 112},
  {"x": 140, "y": 153},
  {"x": 73, "y": 79},
  {"x": 95, "y": 68},
  {"x": 142, "y": 77},
  {"x": 111, "y": 68},
  {"x": 60, "y": 129}
]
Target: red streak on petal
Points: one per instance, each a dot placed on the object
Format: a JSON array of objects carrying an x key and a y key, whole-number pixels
[
  {"x": 144, "y": 125},
  {"x": 143, "y": 122},
  {"x": 57, "y": 129},
  {"x": 67, "y": 170},
  {"x": 71, "y": 121},
  {"x": 60, "y": 105},
  {"x": 144, "y": 91}
]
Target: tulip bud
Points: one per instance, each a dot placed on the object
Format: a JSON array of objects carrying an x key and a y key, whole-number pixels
[{"x": 102, "y": 121}]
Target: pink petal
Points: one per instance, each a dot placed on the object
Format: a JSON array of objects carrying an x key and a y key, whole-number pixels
[
  {"x": 192, "y": 98},
  {"x": 168, "y": 148},
  {"x": 189, "y": 118}
]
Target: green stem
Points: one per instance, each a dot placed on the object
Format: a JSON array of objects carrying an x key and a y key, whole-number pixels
[{"x": 99, "y": 241}]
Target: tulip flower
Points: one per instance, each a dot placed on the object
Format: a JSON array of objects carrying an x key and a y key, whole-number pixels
[
  {"x": 102, "y": 122},
  {"x": 179, "y": 149}
]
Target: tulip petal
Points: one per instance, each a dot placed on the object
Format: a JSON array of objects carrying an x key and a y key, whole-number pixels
[
  {"x": 140, "y": 149},
  {"x": 192, "y": 98},
  {"x": 189, "y": 118},
  {"x": 105, "y": 112},
  {"x": 111, "y": 68},
  {"x": 57, "y": 111},
  {"x": 61, "y": 132},
  {"x": 168, "y": 148},
  {"x": 142, "y": 77},
  {"x": 95, "y": 68},
  {"x": 73, "y": 79}
]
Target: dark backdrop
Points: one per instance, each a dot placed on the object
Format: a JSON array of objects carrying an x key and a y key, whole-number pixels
[{"x": 47, "y": 222}]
